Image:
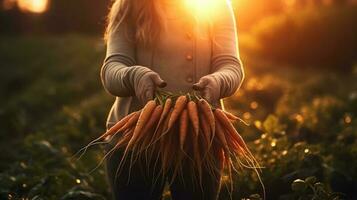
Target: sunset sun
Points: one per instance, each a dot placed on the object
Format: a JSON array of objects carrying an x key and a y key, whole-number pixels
[
  {"x": 34, "y": 6},
  {"x": 203, "y": 8}
]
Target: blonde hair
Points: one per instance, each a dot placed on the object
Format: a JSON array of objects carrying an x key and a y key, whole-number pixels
[{"x": 142, "y": 15}]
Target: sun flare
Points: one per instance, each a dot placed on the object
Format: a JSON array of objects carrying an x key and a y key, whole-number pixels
[
  {"x": 34, "y": 6},
  {"x": 204, "y": 8}
]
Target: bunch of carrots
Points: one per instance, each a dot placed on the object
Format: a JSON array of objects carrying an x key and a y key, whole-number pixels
[{"x": 174, "y": 128}]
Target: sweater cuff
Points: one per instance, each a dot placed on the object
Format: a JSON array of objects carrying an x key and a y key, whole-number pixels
[{"x": 229, "y": 78}]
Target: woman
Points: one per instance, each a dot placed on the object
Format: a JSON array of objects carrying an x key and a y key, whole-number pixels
[{"x": 175, "y": 44}]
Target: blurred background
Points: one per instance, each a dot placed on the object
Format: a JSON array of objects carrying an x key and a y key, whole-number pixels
[{"x": 299, "y": 97}]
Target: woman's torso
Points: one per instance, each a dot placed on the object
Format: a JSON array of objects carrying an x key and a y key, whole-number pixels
[{"x": 181, "y": 56}]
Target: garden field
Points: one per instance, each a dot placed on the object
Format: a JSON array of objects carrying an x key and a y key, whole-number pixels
[{"x": 303, "y": 124}]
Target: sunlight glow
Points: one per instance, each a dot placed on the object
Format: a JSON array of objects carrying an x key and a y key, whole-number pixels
[
  {"x": 204, "y": 9},
  {"x": 34, "y": 6}
]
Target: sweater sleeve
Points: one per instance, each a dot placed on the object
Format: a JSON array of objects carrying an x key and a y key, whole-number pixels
[
  {"x": 226, "y": 63},
  {"x": 118, "y": 73}
]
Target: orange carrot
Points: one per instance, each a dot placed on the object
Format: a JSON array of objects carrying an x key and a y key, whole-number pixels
[
  {"x": 196, "y": 154},
  {"x": 232, "y": 117},
  {"x": 207, "y": 135},
  {"x": 123, "y": 140},
  {"x": 159, "y": 138},
  {"x": 233, "y": 133},
  {"x": 146, "y": 135},
  {"x": 238, "y": 138},
  {"x": 131, "y": 122},
  {"x": 117, "y": 126},
  {"x": 205, "y": 129},
  {"x": 165, "y": 111},
  {"x": 143, "y": 118},
  {"x": 154, "y": 118},
  {"x": 207, "y": 111},
  {"x": 193, "y": 115},
  {"x": 178, "y": 108},
  {"x": 233, "y": 144},
  {"x": 221, "y": 135},
  {"x": 163, "y": 118},
  {"x": 183, "y": 127},
  {"x": 220, "y": 115},
  {"x": 113, "y": 130}
]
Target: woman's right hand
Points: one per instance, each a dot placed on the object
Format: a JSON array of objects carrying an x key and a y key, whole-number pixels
[{"x": 146, "y": 85}]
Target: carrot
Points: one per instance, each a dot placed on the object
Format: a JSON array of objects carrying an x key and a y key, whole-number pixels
[
  {"x": 220, "y": 115},
  {"x": 183, "y": 128},
  {"x": 131, "y": 122},
  {"x": 232, "y": 117},
  {"x": 233, "y": 144},
  {"x": 178, "y": 108},
  {"x": 143, "y": 118},
  {"x": 234, "y": 134},
  {"x": 166, "y": 122},
  {"x": 145, "y": 135},
  {"x": 207, "y": 111},
  {"x": 159, "y": 138},
  {"x": 165, "y": 111},
  {"x": 117, "y": 126},
  {"x": 193, "y": 115},
  {"x": 113, "y": 130},
  {"x": 205, "y": 129},
  {"x": 196, "y": 153},
  {"x": 244, "y": 150},
  {"x": 155, "y": 117},
  {"x": 207, "y": 135},
  {"x": 221, "y": 136},
  {"x": 220, "y": 133},
  {"x": 163, "y": 117}
]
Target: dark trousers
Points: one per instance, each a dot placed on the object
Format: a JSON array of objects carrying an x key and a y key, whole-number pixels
[{"x": 143, "y": 181}]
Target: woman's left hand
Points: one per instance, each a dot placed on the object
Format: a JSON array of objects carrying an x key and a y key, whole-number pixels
[{"x": 209, "y": 88}]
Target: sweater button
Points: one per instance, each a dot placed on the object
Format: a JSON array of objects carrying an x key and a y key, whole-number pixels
[{"x": 189, "y": 57}]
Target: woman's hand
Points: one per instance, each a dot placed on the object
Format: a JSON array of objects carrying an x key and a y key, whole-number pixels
[
  {"x": 209, "y": 88},
  {"x": 146, "y": 85}
]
